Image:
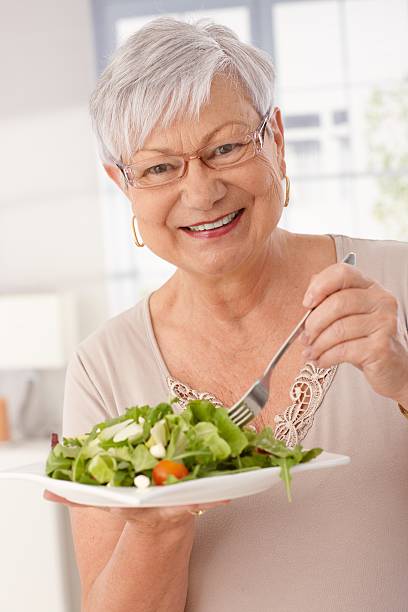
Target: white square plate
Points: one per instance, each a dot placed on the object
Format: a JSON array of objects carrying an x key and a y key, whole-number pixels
[{"x": 202, "y": 490}]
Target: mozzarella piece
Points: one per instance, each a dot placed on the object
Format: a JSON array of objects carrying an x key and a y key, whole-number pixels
[{"x": 141, "y": 481}]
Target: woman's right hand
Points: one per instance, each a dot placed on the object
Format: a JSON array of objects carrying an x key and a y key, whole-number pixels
[{"x": 147, "y": 519}]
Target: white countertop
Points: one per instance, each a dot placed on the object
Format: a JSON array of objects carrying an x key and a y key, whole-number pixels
[{"x": 22, "y": 452}]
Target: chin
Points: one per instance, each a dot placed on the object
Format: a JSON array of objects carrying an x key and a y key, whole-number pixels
[{"x": 217, "y": 264}]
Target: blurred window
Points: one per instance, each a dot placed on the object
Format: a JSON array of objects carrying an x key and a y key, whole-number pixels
[
  {"x": 235, "y": 17},
  {"x": 343, "y": 62}
]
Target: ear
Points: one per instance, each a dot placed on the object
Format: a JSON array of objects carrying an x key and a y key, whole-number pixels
[
  {"x": 117, "y": 177},
  {"x": 276, "y": 125}
]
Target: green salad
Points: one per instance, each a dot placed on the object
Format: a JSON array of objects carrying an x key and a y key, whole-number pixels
[{"x": 153, "y": 446}]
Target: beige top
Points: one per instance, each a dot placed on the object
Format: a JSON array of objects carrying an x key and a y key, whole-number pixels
[{"x": 342, "y": 544}]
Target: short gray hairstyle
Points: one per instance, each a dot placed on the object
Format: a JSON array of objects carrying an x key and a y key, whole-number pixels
[{"x": 164, "y": 69}]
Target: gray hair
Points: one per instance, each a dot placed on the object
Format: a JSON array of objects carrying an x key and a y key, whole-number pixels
[{"x": 165, "y": 69}]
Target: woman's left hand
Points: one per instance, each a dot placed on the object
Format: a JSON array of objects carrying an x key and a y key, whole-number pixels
[{"x": 356, "y": 321}]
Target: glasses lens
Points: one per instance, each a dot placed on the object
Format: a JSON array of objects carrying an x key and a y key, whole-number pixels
[
  {"x": 228, "y": 154},
  {"x": 156, "y": 171}
]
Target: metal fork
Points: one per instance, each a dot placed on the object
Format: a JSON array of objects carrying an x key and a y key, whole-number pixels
[{"x": 252, "y": 402}]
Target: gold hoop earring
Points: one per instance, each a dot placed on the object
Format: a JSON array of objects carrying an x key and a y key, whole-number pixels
[
  {"x": 138, "y": 243},
  {"x": 287, "y": 190}
]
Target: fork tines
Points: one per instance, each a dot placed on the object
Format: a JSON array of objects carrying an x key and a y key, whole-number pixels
[{"x": 240, "y": 414}]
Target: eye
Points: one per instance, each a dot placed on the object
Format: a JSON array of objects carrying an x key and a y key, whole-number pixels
[
  {"x": 226, "y": 148},
  {"x": 159, "y": 169}
]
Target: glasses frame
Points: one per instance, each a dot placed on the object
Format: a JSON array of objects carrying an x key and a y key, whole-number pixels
[{"x": 257, "y": 137}]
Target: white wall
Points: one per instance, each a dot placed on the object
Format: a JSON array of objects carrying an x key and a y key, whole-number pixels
[
  {"x": 51, "y": 234},
  {"x": 51, "y": 219}
]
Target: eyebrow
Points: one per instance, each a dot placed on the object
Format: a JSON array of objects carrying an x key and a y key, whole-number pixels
[{"x": 206, "y": 138}]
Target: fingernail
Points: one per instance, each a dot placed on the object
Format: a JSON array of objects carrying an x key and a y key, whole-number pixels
[{"x": 308, "y": 300}]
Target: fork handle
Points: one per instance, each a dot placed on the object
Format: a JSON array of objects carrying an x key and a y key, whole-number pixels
[{"x": 350, "y": 259}]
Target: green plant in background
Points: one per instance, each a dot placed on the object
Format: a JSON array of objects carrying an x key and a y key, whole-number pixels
[{"x": 387, "y": 134}]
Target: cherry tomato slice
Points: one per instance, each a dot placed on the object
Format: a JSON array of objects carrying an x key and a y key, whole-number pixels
[{"x": 166, "y": 468}]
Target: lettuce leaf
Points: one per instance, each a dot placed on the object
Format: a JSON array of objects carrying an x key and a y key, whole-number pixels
[{"x": 202, "y": 436}]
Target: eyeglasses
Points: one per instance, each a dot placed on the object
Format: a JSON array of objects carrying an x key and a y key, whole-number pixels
[{"x": 164, "y": 169}]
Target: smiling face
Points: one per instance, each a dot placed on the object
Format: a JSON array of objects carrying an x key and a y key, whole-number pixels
[{"x": 247, "y": 198}]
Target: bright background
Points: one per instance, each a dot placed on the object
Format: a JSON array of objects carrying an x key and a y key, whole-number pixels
[
  {"x": 342, "y": 86},
  {"x": 342, "y": 69}
]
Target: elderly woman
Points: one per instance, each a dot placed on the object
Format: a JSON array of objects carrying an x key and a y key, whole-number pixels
[{"x": 188, "y": 131}]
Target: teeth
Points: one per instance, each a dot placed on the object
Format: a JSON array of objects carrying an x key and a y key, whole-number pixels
[{"x": 219, "y": 223}]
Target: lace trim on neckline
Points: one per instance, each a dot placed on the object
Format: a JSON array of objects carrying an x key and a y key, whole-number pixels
[{"x": 292, "y": 425}]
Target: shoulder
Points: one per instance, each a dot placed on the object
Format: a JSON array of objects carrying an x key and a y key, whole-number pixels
[
  {"x": 376, "y": 255},
  {"x": 385, "y": 261},
  {"x": 129, "y": 326},
  {"x": 107, "y": 370},
  {"x": 119, "y": 342}
]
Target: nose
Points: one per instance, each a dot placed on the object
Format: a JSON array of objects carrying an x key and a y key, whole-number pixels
[{"x": 201, "y": 188}]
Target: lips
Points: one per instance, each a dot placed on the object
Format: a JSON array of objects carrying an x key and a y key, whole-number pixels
[
  {"x": 214, "y": 224},
  {"x": 215, "y": 229}
]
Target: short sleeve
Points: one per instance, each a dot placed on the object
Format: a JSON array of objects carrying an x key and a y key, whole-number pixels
[{"x": 83, "y": 404}]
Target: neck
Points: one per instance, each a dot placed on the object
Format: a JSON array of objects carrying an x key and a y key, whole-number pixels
[{"x": 232, "y": 298}]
